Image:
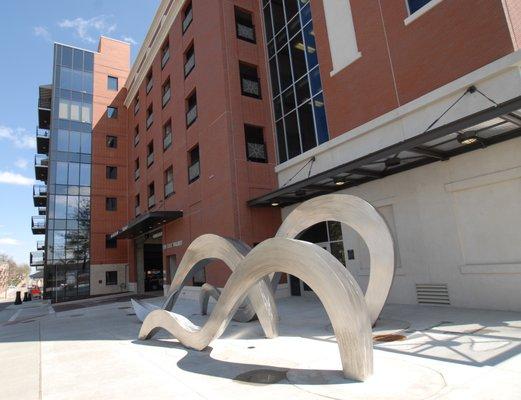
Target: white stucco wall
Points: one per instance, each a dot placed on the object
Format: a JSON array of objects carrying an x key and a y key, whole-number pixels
[
  {"x": 97, "y": 279},
  {"x": 456, "y": 222}
]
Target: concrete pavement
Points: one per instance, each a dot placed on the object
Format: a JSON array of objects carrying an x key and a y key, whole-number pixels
[{"x": 92, "y": 353}]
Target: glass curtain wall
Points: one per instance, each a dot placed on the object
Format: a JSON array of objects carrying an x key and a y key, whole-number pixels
[
  {"x": 67, "y": 270},
  {"x": 300, "y": 117}
]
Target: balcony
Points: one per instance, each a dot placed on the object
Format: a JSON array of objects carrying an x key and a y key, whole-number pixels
[
  {"x": 191, "y": 116},
  {"x": 40, "y": 245},
  {"x": 37, "y": 258},
  {"x": 42, "y": 141},
  {"x": 38, "y": 225},
  {"x": 42, "y": 210},
  {"x": 41, "y": 167},
  {"x": 245, "y": 32},
  {"x": 44, "y": 107},
  {"x": 40, "y": 195}
]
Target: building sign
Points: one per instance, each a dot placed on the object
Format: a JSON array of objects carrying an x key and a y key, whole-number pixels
[{"x": 172, "y": 244}]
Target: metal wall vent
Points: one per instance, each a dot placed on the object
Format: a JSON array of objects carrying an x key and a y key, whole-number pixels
[{"x": 434, "y": 294}]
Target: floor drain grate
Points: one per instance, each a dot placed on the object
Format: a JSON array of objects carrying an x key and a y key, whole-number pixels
[
  {"x": 131, "y": 314},
  {"x": 388, "y": 338},
  {"x": 262, "y": 376}
]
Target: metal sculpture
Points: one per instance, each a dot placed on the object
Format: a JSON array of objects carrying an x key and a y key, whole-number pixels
[
  {"x": 335, "y": 287},
  {"x": 367, "y": 222},
  {"x": 249, "y": 292}
]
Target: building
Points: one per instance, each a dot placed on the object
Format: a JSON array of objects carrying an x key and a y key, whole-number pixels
[
  {"x": 161, "y": 152},
  {"x": 422, "y": 101},
  {"x": 236, "y": 111}
]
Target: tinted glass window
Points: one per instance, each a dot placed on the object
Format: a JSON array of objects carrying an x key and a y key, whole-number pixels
[{"x": 112, "y": 83}]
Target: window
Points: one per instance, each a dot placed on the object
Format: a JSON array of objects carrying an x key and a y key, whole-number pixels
[
  {"x": 150, "y": 116},
  {"x": 255, "y": 146},
  {"x": 165, "y": 54},
  {"x": 111, "y": 172},
  {"x": 151, "y": 195},
  {"x": 250, "y": 85},
  {"x": 189, "y": 60},
  {"x": 137, "y": 205},
  {"x": 111, "y": 278},
  {"x": 136, "y": 105},
  {"x": 191, "y": 114},
  {"x": 167, "y": 135},
  {"x": 150, "y": 153},
  {"x": 136, "y": 135},
  {"x": 298, "y": 104},
  {"x": 166, "y": 92},
  {"x": 150, "y": 81},
  {"x": 112, "y": 142},
  {"x": 244, "y": 25},
  {"x": 194, "y": 165},
  {"x": 187, "y": 16},
  {"x": 136, "y": 169},
  {"x": 169, "y": 182},
  {"x": 415, "y": 5},
  {"x": 112, "y": 112},
  {"x": 329, "y": 236},
  {"x": 110, "y": 243},
  {"x": 112, "y": 83},
  {"x": 111, "y": 204}
]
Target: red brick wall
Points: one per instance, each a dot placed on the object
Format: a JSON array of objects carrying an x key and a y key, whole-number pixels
[
  {"x": 216, "y": 203},
  {"x": 452, "y": 39},
  {"x": 113, "y": 59}
]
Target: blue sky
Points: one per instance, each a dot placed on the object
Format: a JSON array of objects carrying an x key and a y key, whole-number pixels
[{"x": 28, "y": 28}]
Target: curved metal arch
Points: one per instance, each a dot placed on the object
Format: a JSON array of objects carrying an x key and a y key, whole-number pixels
[
  {"x": 209, "y": 247},
  {"x": 337, "y": 290},
  {"x": 367, "y": 222}
]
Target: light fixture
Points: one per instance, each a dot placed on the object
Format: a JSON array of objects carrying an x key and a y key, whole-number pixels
[
  {"x": 392, "y": 162},
  {"x": 339, "y": 181},
  {"x": 467, "y": 137},
  {"x": 274, "y": 204}
]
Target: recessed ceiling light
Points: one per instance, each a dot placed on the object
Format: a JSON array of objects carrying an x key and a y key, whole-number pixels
[
  {"x": 339, "y": 181},
  {"x": 274, "y": 204},
  {"x": 467, "y": 137}
]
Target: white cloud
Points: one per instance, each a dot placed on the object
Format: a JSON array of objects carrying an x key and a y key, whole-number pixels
[
  {"x": 129, "y": 39},
  {"x": 86, "y": 28},
  {"x": 8, "y": 241},
  {"x": 21, "y": 163},
  {"x": 20, "y": 137},
  {"x": 15, "y": 179},
  {"x": 41, "y": 31}
]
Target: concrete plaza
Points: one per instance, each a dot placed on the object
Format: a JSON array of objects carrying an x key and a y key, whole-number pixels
[{"x": 89, "y": 350}]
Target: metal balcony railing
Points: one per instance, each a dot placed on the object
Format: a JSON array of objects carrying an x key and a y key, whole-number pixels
[
  {"x": 42, "y": 210},
  {"x": 189, "y": 65},
  {"x": 191, "y": 116},
  {"x": 37, "y": 258},
  {"x": 193, "y": 172},
  {"x": 42, "y": 140},
  {"x": 188, "y": 20},
  {"x": 41, "y": 166},
  {"x": 40, "y": 245},
  {"x": 38, "y": 225},
  {"x": 150, "y": 120},
  {"x": 39, "y": 190},
  {"x": 41, "y": 161},
  {"x": 246, "y": 32},
  {"x": 169, "y": 188},
  {"x": 250, "y": 87}
]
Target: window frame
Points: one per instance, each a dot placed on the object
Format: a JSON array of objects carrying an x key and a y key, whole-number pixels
[
  {"x": 114, "y": 113},
  {"x": 111, "y": 204},
  {"x": 111, "y": 172},
  {"x": 110, "y": 79},
  {"x": 114, "y": 139},
  {"x": 113, "y": 282}
]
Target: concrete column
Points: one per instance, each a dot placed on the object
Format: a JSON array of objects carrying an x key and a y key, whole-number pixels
[{"x": 139, "y": 247}]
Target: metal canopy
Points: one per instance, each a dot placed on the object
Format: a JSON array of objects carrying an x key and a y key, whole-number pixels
[
  {"x": 484, "y": 128},
  {"x": 145, "y": 223}
]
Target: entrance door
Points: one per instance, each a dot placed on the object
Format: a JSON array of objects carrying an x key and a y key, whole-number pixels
[{"x": 153, "y": 267}]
